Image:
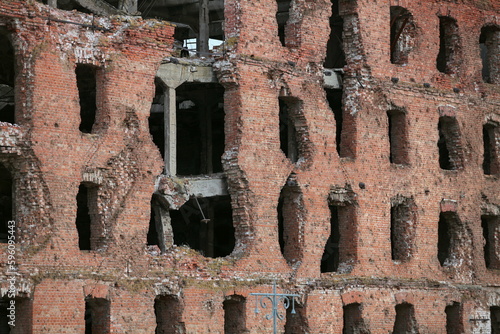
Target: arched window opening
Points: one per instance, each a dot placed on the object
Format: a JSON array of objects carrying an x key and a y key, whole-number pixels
[
  {"x": 206, "y": 225},
  {"x": 454, "y": 323},
  {"x": 97, "y": 316},
  {"x": 403, "y": 35},
  {"x": 296, "y": 319},
  {"x": 168, "y": 312},
  {"x": 234, "y": 314},
  {"x": 489, "y": 44},
  {"x": 449, "y": 45},
  {"x": 405, "y": 319},
  {"x": 7, "y": 78},
  {"x": 353, "y": 320}
]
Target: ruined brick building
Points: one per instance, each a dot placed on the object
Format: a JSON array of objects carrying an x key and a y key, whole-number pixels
[{"x": 347, "y": 151}]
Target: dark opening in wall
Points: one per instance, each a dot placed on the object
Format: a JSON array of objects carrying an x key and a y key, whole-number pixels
[
  {"x": 6, "y": 202},
  {"x": 398, "y": 137},
  {"x": 491, "y": 235},
  {"x": 491, "y": 159},
  {"x": 403, "y": 228},
  {"x": 159, "y": 233},
  {"x": 168, "y": 312},
  {"x": 353, "y": 320},
  {"x": 405, "y": 319},
  {"x": 89, "y": 228},
  {"x": 334, "y": 97},
  {"x": 282, "y": 16},
  {"x": 97, "y": 316},
  {"x": 454, "y": 319},
  {"x": 292, "y": 127},
  {"x": 449, "y": 145},
  {"x": 7, "y": 78},
  {"x": 200, "y": 128},
  {"x": 290, "y": 221},
  {"x": 86, "y": 81},
  {"x": 20, "y": 308},
  {"x": 340, "y": 248},
  {"x": 156, "y": 119},
  {"x": 209, "y": 231},
  {"x": 4, "y": 312},
  {"x": 495, "y": 319},
  {"x": 449, "y": 45},
  {"x": 449, "y": 237},
  {"x": 403, "y": 35},
  {"x": 296, "y": 320},
  {"x": 489, "y": 43},
  {"x": 335, "y": 56},
  {"x": 234, "y": 314}
]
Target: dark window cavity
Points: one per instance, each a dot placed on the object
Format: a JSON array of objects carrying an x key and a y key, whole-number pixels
[
  {"x": 86, "y": 81},
  {"x": 6, "y": 202},
  {"x": 97, "y": 316},
  {"x": 489, "y": 44},
  {"x": 168, "y": 312},
  {"x": 491, "y": 235},
  {"x": 353, "y": 320},
  {"x": 282, "y": 16},
  {"x": 405, "y": 319},
  {"x": 296, "y": 321},
  {"x": 491, "y": 160},
  {"x": 449, "y": 144},
  {"x": 234, "y": 314},
  {"x": 7, "y": 77},
  {"x": 206, "y": 225},
  {"x": 334, "y": 97},
  {"x": 403, "y": 35},
  {"x": 454, "y": 319},
  {"x": 88, "y": 225},
  {"x": 160, "y": 228},
  {"x": 335, "y": 56},
  {"x": 398, "y": 137},
  {"x": 495, "y": 319},
  {"x": 449, "y": 45},
  {"x": 200, "y": 128},
  {"x": 451, "y": 237},
  {"x": 292, "y": 127},
  {"x": 156, "y": 119},
  {"x": 403, "y": 228}
]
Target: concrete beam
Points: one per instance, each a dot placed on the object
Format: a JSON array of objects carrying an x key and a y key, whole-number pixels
[
  {"x": 99, "y": 7},
  {"x": 174, "y": 75},
  {"x": 332, "y": 78}
]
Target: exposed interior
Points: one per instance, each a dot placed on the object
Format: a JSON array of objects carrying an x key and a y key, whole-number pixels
[
  {"x": 403, "y": 35},
  {"x": 491, "y": 235},
  {"x": 86, "y": 76},
  {"x": 491, "y": 159},
  {"x": 334, "y": 97},
  {"x": 335, "y": 56},
  {"x": 405, "y": 319},
  {"x": 353, "y": 320},
  {"x": 449, "y": 144},
  {"x": 450, "y": 234},
  {"x": 449, "y": 45},
  {"x": 97, "y": 315},
  {"x": 234, "y": 314},
  {"x": 453, "y": 318},
  {"x": 168, "y": 312},
  {"x": 282, "y": 15},
  {"x": 489, "y": 43},
  {"x": 7, "y": 77},
  {"x": 295, "y": 319},
  {"x": 87, "y": 222}
]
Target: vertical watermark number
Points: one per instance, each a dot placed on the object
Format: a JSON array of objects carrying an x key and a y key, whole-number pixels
[{"x": 12, "y": 272}]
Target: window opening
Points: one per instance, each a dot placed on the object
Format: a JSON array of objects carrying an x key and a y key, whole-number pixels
[
  {"x": 158, "y": 232},
  {"x": 200, "y": 128},
  {"x": 292, "y": 128},
  {"x": 491, "y": 161},
  {"x": 450, "y": 237},
  {"x": 335, "y": 56},
  {"x": 156, "y": 119},
  {"x": 403, "y": 33},
  {"x": 234, "y": 314},
  {"x": 330, "y": 259},
  {"x": 405, "y": 319},
  {"x": 296, "y": 323},
  {"x": 97, "y": 316},
  {"x": 449, "y": 146},
  {"x": 334, "y": 97},
  {"x": 168, "y": 312},
  {"x": 398, "y": 137},
  {"x": 489, "y": 44},
  {"x": 491, "y": 235},
  {"x": 89, "y": 229},
  {"x": 353, "y": 320},
  {"x": 403, "y": 228},
  {"x": 282, "y": 16},
  {"x": 449, "y": 44},
  {"x": 87, "y": 92},
  {"x": 6, "y": 202},
  {"x": 454, "y": 319},
  {"x": 209, "y": 231},
  {"x": 7, "y": 78},
  {"x": 495, "y": 319}
]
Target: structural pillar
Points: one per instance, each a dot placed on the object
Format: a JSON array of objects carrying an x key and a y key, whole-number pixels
[
  {"x": 52, "y": 3},
  {"x": 204, "y": 31},
  {"x": 170, "y": 137}
]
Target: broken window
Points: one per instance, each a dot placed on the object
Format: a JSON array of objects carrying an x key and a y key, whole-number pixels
[
  {"x": 403, "y": 228},
  {"x": 454, "y": 319},
  {"x": 292, "y": 127},
  {"x": 405, "y": 319},
  {"x": 168, "y": 312},
  {"x": 489, "y": 43},
  {"x": 90, "y": 229},
  {"x": 7, "y": 78},
  {"x": 86, "y": 76},
  {"x": 403, "y": 35},
  {"x": 353, "y": 320},
  {"x": 6, "y": 202},
  {"x": 449, "y": 237},
  {"x": 334, "y": 97},
  {"x": 234, "y": 314},
  {"x": 282, "y": 15},
  {"x": 200, "y": 128},
  {"x": 491, "y": 160},
  {"x": 156, "y": 119},
  {"x": 156, "y": 232},
  {"x": 495, "y": 319},
  {"x": 340, "y": 248},
  {"x": 449, "y": 45},
  {"x": 206, "y": 225},
  {"x": 296, "y": 321},
  {"x": 491, "y": 235},
  {"x": 290, "y": 220},
  {"x": 449, "y": 145},
  {"x": 398, "y": 137},
  {"x": 97, "y": 315},
  {"x": 335, "y": 57}
]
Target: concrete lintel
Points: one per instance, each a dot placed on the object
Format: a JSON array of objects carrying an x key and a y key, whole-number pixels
[
  {"x": 174, "y": 75},
  {"x": 332, "y": 78},
  {"x": 206, "y": 186}
]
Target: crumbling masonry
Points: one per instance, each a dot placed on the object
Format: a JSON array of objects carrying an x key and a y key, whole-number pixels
[{"x": 346, "y": 150}]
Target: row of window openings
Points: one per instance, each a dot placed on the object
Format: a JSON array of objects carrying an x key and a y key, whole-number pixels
[{"x": 168, "y": 314}]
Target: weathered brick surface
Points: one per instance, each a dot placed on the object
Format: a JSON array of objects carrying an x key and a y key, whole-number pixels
[{"x": 49, "y": 157}]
